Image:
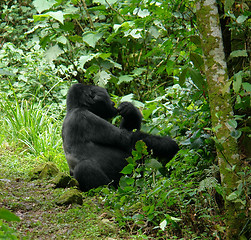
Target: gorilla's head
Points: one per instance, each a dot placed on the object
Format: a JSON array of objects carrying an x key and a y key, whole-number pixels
[{"x": 93, "y": 98}]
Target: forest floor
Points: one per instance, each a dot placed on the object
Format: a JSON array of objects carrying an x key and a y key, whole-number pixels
[{"x": 41, "y": 217}]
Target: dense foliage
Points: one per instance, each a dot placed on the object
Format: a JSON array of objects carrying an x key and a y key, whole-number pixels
[{"x": 147, "y": 52}]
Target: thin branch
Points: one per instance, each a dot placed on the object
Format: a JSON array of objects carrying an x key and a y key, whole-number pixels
[
  {"x": 115, "y": 10},
  {"x": 88, "y": 15}
]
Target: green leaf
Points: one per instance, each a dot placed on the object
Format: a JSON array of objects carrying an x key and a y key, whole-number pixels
[
  {"x": 62, "y": 39},
  {"x": 42, "y": 5},
  {"x": 138, "y": 71},
  {"x": 130, "y": 181},
  {"x": 101, "y": 78},
  {"x": 40, "y": 17},
  {"x": 239, "y": 53},
  {"x": 8, "y": 216},
  {"x": 196, "y": 40},
  {"x": 246, "y": 86},
  {"x": 175, "y": 219},
  {"x": 226, "y": 88},
  {"x": 238, "y": 81},
  {"x": 104, "y": 2},
  {"x": 154, "y": 32},
  {"x": 241, "y": 19},
  {"x": 5, "y": 72},
  {"x": 125, "y": 78},
  {"x": 92, "y": 38},
  {"x": 154, "y": 164},
  {"x": 52, "y": 53},
  {"x": 163, "y": 224},
  {"x": 235, "y": 134},
  {"x": 83, "y": 59},
  {"x": 197, "y": 79},
  {"x": 182, "y": 77},
  {"x": 141, "y": 147},
  {"x": 232, "y": 123},
  {"x": 127, "y": 169},
  {"x": 59, "y": 16},
  {"x": 197, "y": 60},
  {"x": 135, "y": 33},
  {"x": 231, "y": 197},
  {"x": 228, "y": 4},
  {"x": 141, "y": 13}
]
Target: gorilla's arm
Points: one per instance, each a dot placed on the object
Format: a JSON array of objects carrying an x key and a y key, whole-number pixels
[
  {"x": 164, "y": 148},
  {"x": 100, "y": 131},
  {"x": 131, "y": 116}
]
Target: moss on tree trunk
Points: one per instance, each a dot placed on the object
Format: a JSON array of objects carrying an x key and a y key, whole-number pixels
[{"x": 221, "y": 110}]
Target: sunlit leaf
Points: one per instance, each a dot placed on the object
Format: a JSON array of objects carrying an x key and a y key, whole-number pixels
[
  {"x": 163, "y": 224},
  {"x": 52, "y": 53},
  {"x": 241, "y": 19},
  {"x": 226, "y": 88},
  {"x": 125, "y": 78},
  {"x": 141, "y": 13},
  {"x": 232, "y": 123},
  {"x": 42, "y": 5},
  {"x": 92, "y": 38},
  {"x": 239, "y": 53},
  {"x": 238, "y": 81},
  {"x": 231, "y": 197},
  {"x": 246, "y": 86},
  {"x": 59, "y": 16},
  {"x": 86, "y": 58},
  {"x": 235, "y": 134},
  {"x": 101, "y": 78},
  {"x": 127, "y": 169}
]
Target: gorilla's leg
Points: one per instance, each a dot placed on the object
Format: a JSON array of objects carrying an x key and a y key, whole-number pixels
[{"x": 89, "y": 175}]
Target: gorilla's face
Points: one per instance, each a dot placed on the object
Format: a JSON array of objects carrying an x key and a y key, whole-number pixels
[
  {"x": 102, "y": 105},
  {"x": 93, "y": 98}
]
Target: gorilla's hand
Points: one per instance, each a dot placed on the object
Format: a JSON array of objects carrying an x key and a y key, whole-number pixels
[
  {"x": 132, "y": 117},
  {"x": 126, "y": 109}
]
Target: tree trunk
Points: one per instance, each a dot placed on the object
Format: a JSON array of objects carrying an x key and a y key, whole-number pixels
[{"x": 221, "y": 111}]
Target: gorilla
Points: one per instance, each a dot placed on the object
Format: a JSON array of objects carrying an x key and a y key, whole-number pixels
[{"x": 95, "y": 149}]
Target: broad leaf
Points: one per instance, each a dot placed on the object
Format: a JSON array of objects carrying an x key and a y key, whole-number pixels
[
  {"x": 125, "y": 78},
  {"x": 239, "y": 53},
  {"x": 59, "y": 16},
  {"x": 241, "y": 19},
  {"x": 83, "y": 59},
  {"x": 154, "y": 164},
  {"x": 182, "y": 77},
  {"x": 52, "y": 53},
  {"x": 232, "y": 123},
  {"x": 101, "y": 78},
  {"x": 42, "y": 5},
  {"x": 92, "y": 38},
  {"x": 197, "y": 79},
  {"x": 127, "y": 169},
  {"x": 238, "y": 81},
  {"x": 246, "y": 86},
  {"x": 7, "y": 215},
  {"x": 197, "y": 60}
]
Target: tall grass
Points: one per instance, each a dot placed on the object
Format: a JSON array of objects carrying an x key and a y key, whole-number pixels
[{"x": 29, "y": 123}]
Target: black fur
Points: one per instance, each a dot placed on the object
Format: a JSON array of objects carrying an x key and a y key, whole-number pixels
[{"x": 94, "y": 148}]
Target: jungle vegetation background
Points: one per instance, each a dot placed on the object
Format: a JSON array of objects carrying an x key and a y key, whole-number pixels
[{"x": 147, "y": 52}]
